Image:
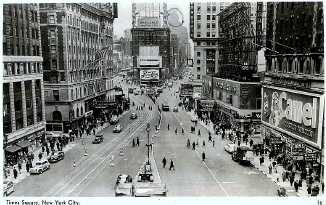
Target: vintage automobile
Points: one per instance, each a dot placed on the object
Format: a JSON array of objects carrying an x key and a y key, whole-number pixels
[
  {"x": 114, "y": 120},
  {"x": 57, "y": 156},
  {"x": 123, "y": 185},
  {"x": 133, "y": 116},
  {"x": 40, "y": 167},
  {"x": 98, "y": 138},
  {"x": 117, "y": 129},
  {"x": 230, "y": 147},
  {"x": 8, "y": 187},
  {"x": 194, "y": 119},
  {"x": 244, "y": 155},
  {"x": 165, "y": 107}
]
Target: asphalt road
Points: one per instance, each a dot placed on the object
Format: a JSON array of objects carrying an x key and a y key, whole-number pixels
[{"x": 96, "y": 173}]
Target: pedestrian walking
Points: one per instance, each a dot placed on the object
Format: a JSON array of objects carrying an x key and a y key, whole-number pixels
[
  {"x": 182, "y": 131},
  {"x": 164, "y": 162},
  {"x": 296, "y": 185},
  {"x": 74, "y": 164},
  {"x": 43, "y": 149},
  {"x": 270, "y": 169},
  {"x": 210, "y": 138},
  {"x": 193, "y": 146},
  {"x": 171, "y": 165},
  {"x": 19, "y": 166},
  {"x": 251, "y": 142},
  {"x": 27, "y": 167},
  {"x": 203, "y": 143},
  {"x": 188, "y": 143},
  {"x": 40, "y": 156},
  {"x": 198, "y": 132},
  {"x": 291, "y": 180},
  {"x": 15, "y": 173},
  {"x": 176, "y": 131},
  {"x": 309, "y": 189},
  {"x": 133, "y": 142},
  {"x": 213, "y": 143},
  {"x": 203, "y": 156},
  {"x": 137, "y": 141},
  {"x": 168, "y": 126},
  {"x": 283, "y": 176}
]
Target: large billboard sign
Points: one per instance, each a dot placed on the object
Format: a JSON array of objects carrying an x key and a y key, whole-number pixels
[
  {"x": 149, "y": 61},
  {"x": 186, "y": 90},
  {"x": 149, "y": 22},
  {"x": 293, "y": 112},
  {"x": 148, "y": 75},
  {"x": 149, "y": 50}
]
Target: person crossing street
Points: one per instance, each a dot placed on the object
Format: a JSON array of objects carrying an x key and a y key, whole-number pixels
[
  {"x": 203, "y": 156},
  {"x": 172, "y": 165},
  {"x": 164, "y": 162}
]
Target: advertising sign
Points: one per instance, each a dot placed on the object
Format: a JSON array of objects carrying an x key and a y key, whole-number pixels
[
  {"x": 186, "y": 90},
  {"x": 292, "y": 112},
  {"x": 149, "y": 50},
  {"x": 149, "y": 22},
  {"x": 149, "y": 74},
  {"x": 149, "y": 61}
]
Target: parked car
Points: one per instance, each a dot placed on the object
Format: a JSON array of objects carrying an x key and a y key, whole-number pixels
[
  {"x": 8, "y": 187},
  {"x": 98, "y": 139},
  {"x": 244, "y": 155},
  {"x": 123, "y": 185},
  {"x": 194, "y": 119},
  {"x": 230, "y": 147},
  {"x": 117, "y": 129},
  {"x": 40, "y": 167},
  {"x": 57, "y": 156},
  {"x": 175, "y": 109},
  {"x": 114, "y": 120},
  {"x": 165, "y": 107},
  {"x": 133, "y": 116},
  {"x": 159, "y": 90}
]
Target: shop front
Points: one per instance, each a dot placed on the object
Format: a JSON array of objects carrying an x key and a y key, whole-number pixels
[
  {"x": 19, "y": 149},
  {"x": 294, "y": 120}
]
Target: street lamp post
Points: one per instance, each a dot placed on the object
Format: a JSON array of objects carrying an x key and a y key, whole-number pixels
[{"x": 148, "y": 145}]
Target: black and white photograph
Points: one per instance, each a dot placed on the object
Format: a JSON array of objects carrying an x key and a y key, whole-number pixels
[{"x": 162, "y": 99}]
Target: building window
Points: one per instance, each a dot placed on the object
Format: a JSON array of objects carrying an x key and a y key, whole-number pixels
[
  {"x": 56, "y": 95},
  {"x": 198, "y": 54},
  {"x": 208, "y": 9},
  {"x": 198, "y": 17},
  {"x": 213, "y": 25},
  {"x": 213, "y": 35},
  {"x": 214, "y": 9},
  {"x": 51, "y": 19},
  {"x": 208, "y": 34},
  {"x": 198, "y": 69},
  {"x": 53, "y": 49},
  {"x": 198, "y": 77},
  {"x": 208, "y": 17},
  {"x": 198, "y": 9},
  {"x": 198, "y": 34},
  {"x": 198, "y": 61},
  {"x": 213, "y": 17},
  {"x": 208, "y": 25},
  {"x": 198, "y": 26}
]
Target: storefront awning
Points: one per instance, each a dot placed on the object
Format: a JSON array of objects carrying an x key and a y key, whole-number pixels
[
  {"x": 24, "y": 143},
  {"x": 12, "y": 148}
]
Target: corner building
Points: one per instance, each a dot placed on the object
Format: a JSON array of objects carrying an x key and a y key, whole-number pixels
[
  {"x": 77, "y": 41},
  {"x": 23, "y": 91},
  {"x": 293, "y": 87},
  {"x": 236, "y": 85}
]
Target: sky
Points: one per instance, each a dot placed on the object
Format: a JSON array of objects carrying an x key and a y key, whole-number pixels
[{"x": 124, "y": 14}]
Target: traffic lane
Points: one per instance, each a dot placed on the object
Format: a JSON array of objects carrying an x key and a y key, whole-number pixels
[
  {"x": 38, "y": 185},
  {"x": 99, "y": 161},
  {"x": 238, "y": 180},
  {"x": 190, "y": 178},
  {"x": 102, "y": 184}
]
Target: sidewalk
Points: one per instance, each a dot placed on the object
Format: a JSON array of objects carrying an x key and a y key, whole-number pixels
[
  {"x": 23, "y": 173},
  {"x": 276, "y": 175}
]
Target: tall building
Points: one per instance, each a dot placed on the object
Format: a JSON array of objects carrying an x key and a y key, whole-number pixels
[
  {"x": 204, "y": 33},
  {"x": 77, "y": 51},
  {"x": 23, "y": 91},
  {"x": 293, "y": 87},
  {"x": 236, "y": 86},
  {"x": 150, "y": 46}
]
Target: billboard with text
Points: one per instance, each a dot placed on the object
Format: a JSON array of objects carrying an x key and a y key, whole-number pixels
[{"x": 148, "y": 75}]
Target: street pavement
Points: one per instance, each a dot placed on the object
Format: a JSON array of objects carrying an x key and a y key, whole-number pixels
[{"x": 95, "y": 174}]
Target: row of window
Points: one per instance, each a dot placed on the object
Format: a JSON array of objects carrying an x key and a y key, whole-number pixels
[
  {"x": 78, "y": 76},
  {"x": 208, "y": 26},
  {"x": 208, "y": 9},
  {"x": 21, "y": 11},
  {"x": 208, "y": 34},
  {"x": 22, "y": 68},
  {"x": 296, "y": 65},
  {"x": 19, "y": 49},
  {"x": 208, "y": 17}
]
